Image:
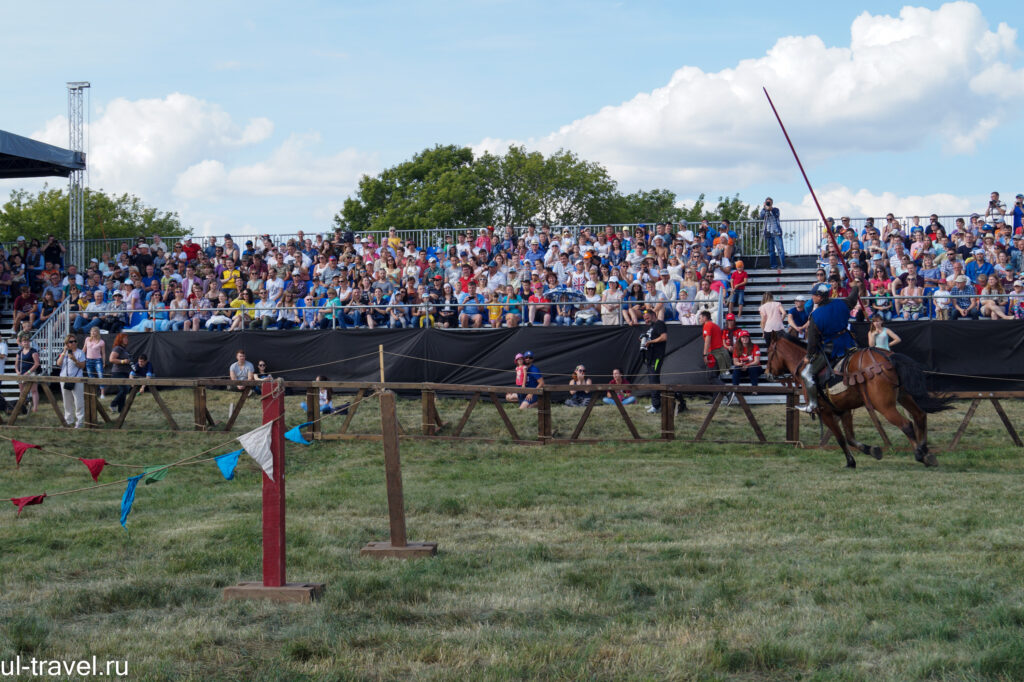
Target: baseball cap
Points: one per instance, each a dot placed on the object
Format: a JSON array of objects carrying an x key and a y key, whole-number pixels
[
  {"x": 801, "y": 297},
  {"x": 730, "y": 316}
]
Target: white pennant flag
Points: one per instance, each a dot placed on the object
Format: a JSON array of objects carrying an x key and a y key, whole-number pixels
[{"x": 257, "y": 444}]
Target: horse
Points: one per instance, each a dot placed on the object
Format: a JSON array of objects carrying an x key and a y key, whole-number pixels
[{"x": 876, "y": 379}]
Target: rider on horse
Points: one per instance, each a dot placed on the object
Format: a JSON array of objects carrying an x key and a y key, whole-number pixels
[{"x": 828, "y": 336}]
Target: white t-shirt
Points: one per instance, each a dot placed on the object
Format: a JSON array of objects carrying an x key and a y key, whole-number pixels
[{"x": 68, "y": 368}]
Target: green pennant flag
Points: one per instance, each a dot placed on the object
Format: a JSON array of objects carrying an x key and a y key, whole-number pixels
[{"x": 154, "y": 474}]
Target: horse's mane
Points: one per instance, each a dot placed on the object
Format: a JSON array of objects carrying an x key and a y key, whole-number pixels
[{"x": 792, "y": 339}]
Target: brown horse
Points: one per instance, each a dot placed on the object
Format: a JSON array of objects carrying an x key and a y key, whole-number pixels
[{"x": 875, "y": 379}]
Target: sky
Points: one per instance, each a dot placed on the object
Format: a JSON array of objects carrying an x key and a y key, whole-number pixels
[{"x": 253, "y": 117}]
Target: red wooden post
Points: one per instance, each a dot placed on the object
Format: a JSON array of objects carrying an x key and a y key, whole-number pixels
[
  {"x": 274, "y": 587},
  {"x": 273, "y": 491}
]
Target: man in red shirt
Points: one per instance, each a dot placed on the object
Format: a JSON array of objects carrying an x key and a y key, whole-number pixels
[
  {"x": 24, "y": 307},
  {"x": 191, "y": 249},
  {"x": 714, "y": 344}
]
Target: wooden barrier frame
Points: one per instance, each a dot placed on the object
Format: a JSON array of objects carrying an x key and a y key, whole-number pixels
[{"x": 432, "y": 426}]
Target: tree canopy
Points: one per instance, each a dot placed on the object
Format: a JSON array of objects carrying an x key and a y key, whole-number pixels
[
  {"x": 447, "y": 187},
  {"x": 106, "y": 216}
]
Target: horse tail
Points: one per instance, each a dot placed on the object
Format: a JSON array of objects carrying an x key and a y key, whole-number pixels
[{"x": 911, "y": 374}]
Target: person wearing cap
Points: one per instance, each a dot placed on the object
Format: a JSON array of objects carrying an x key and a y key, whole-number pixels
[
  {"x": 534, "y": 379},
  {"x": 746, "y": 359},
  {"x": 828, "y": 335},
  {"x": 588, "y": 313},
  {"x": 797, "y": 318},
  {"x": 1016, "y": 298},
  {"x": 730, "y": 331},
  {"x": 772, "y": 230}
]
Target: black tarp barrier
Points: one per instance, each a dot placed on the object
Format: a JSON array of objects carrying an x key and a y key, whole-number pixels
[
  {"x": 981, "y": 355},
  {"x": 483, "y": 357}
]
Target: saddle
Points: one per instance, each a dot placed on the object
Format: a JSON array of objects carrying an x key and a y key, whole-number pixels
[{"x": 835, "y": 380}]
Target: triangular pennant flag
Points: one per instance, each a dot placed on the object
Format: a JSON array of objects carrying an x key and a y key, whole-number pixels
[
  {"x": 227, "y": 463},
  {"x": 128, "y": 498},
  {"x": 154, "y": 474},
  {"x": 22, "y": 502},
  {"x": 294, "y": 434},
  {"x": 257, "y": 444},
  {"x": 95, "y": 467},
  {"x": 19, "y": 450}
]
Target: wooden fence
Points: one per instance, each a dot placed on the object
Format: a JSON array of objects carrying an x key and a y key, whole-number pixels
[{"x": 433, "y": 427}]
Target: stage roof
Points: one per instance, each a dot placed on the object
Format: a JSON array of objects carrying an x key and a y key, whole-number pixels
[{"x": 22, "y": 157}]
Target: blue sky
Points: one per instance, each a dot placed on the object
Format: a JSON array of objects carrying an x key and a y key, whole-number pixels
[{"x": 252, "y": 116}]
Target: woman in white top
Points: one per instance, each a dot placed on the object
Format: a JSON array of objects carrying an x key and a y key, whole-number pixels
[
  {"x": 611, "y": 303},
  {"x": 706, "y": 299},
  {"x": 772, "y": 316},
  {"x": 72, "y": 362}
]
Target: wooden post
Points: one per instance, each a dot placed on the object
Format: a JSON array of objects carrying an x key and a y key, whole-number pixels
[
  {"x": 544, "y": 417},
  {"x": 274, "y": 587},
  {"x": 90, "y": 398},
  {"x": 398, "y": 547},
  {"x": 792, "y": 418},
  {"x": 380, "y": 357},
  {"x": 668, "y": 415},
  {"x": 199, "y": 408},
  {"x": 428, "y": 410}
]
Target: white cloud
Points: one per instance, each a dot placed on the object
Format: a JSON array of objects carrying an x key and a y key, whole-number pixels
[
  {"x": 135, "y": 146},
  {"x": 293, "y": 169},
  {"x": 839, "y": 201},
  {"x": 901, "y": 82}
]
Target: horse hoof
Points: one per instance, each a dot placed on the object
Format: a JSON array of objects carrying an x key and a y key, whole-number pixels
[
  {"x": 930, "y": 461},
  {"x": 876, "y": 452},
  {"x": 851, "y": 465}
]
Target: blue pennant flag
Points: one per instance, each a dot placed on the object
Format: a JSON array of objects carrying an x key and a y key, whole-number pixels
[
  {"x": 294, "y": 434},
  {"x": 128, "y": 498},
  {"x": 227, "y": 463}
]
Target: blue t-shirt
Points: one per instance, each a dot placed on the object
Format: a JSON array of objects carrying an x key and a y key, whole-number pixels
[
  {"x": 470, "y": 303},
  {"x": 533, "y": 377}
]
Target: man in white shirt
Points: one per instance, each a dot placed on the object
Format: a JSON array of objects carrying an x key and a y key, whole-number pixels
[{"x": 72, "y": 362}]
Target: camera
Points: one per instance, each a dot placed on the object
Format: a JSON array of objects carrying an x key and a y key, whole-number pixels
[{"x": 643, "y": 343}]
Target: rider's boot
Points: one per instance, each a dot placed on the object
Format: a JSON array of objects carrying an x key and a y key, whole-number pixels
[{"x": 810, "y": 390}]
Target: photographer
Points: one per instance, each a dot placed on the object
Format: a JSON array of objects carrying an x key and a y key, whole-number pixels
[
  {"x": 652, "y": 346},
  {"x": 995, "y": 208},
  {"x": 773, "y": 234},
  {"x": 72, "y": 362},
  {"x": 1018, "y": 214}
]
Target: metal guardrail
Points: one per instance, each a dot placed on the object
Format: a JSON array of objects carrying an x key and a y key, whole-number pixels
[
  {"x": 801, "y": 237},
  {"x": 49, "y": 337}
]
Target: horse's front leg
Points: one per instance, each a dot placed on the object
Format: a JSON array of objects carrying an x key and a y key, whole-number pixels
[{"x": 873, "y": 450}]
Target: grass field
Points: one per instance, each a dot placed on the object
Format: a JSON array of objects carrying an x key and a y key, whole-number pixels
[{"x": 650, "y": 561}]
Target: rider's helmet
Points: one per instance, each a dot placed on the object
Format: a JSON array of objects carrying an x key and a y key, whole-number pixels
[
  {"x": 528, "y": 354},
  {"x": 821, "y": 289}
]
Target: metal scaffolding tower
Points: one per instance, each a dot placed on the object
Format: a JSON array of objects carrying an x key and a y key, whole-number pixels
[{"x": 76, "y": 181}]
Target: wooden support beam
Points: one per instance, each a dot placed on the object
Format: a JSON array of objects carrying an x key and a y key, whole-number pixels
[
  {"x": 129, "y": 399},
  {"x": 102, "y": 411},
  {"x": 544, "y": 417},
  {"x": 583, "y": 418},
  {"x": 625, "y": 415},
  {"x": 22, "y": 397},
  {"x": 237, "y": 409},
  {"x": 53, "y": 403},
  {"x": 1006, "y": 422},
  {"x": 964, "y": 423},
  {"x": 427, "y": 411},
  {"x": 750, "y": 418},
  {"x": 465, "y": 415},
  {"x": 710, "y": 415},
  {"x": 199, "y": 408},
  {"x": 352, "y": 409},
  {"x": 504, "y": 417},
  {"x": 164, "y": 408}
]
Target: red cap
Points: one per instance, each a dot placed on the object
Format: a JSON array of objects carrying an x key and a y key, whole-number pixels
[{"x": 730, "y": 316}]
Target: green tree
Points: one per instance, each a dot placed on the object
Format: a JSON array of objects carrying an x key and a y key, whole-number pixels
[
  {"x": 513, "y": 182},
  {"x": 643, "y": 206},
  {"x": 569, "y": 187},
  {"x": 106, "y": 216},
  {"x": 438, "y": 187}
]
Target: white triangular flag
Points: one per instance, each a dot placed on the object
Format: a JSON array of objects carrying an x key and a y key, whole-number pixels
[{"x": 257, "y": 444}]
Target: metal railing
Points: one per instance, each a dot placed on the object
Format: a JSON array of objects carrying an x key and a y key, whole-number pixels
[
  {"x": 49, "y": 337},
  {"x": 328, "y": 317},
  {"x": 801, "y": 237}
]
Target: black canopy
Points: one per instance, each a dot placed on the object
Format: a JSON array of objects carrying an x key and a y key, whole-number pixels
[{"x": 21, "y": 157}]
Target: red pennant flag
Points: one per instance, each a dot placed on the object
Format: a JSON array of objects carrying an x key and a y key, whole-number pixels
[
  {"x": 20, "y": 448},
  {"x": 95, "y": 467},
  {"x": 22, "y": 502}
]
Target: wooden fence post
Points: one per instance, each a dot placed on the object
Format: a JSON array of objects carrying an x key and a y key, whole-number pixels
[
  {"x": 398, "y": 547},
  {"x": 274, "y": 586}
]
